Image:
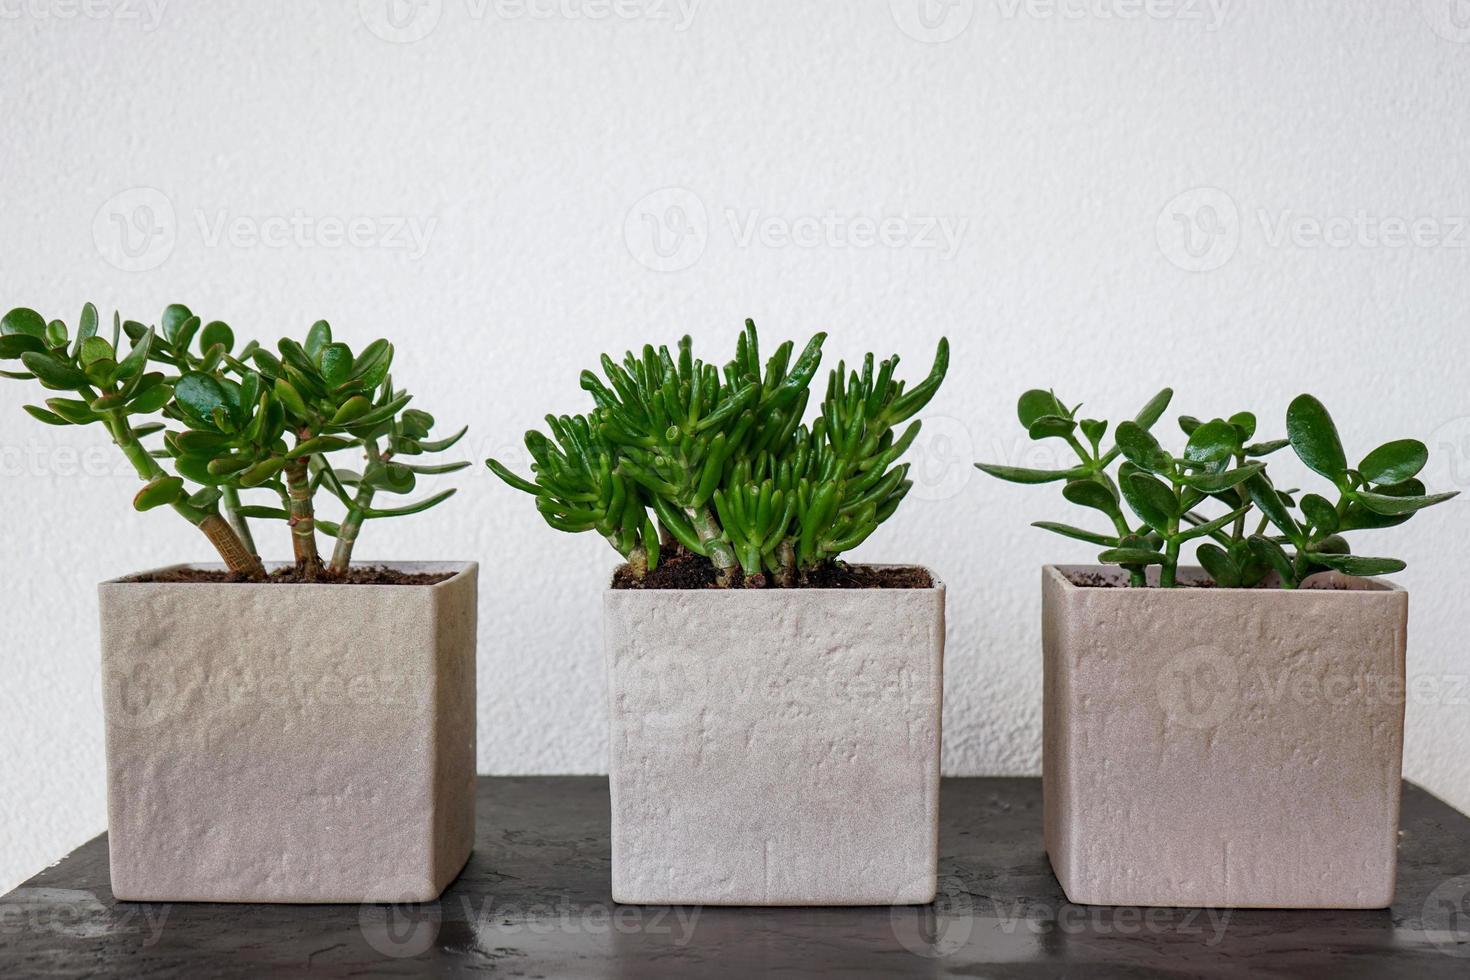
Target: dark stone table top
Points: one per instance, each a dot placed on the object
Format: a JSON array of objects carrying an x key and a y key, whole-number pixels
[{"x": 534, "y": 902}]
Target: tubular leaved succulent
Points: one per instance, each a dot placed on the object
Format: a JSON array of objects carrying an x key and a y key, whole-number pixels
[
  {"x": 1221, "y": 464},
  {"x": 680, "y": 454},
  {"x": 234, "y": 422}
]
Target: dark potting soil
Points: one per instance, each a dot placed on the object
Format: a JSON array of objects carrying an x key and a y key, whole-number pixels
[
  {"x": 690, "y": 571},
  {"x": 366, "y": 575},
  {"x": 1095, "y": 580}
]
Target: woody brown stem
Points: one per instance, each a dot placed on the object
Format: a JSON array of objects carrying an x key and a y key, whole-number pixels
[
  {"x": 238, "y": 558},
  {"x": 303, "y": 520}
]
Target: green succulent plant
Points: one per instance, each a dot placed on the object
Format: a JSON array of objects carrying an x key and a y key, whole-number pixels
[
  {"x": 681, "y": 455},
  {"x": 236, "y": 421},
  {"x": 1223, "y": 468}
]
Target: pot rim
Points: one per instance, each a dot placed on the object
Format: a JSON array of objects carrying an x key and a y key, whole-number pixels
[
  {"x": 1058, "y": 572},
  {"x": 936, "y": 586},
  {"x": 459, "y": 569}
]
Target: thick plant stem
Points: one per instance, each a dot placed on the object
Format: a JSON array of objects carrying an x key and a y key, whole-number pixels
[
  {"x": 721, "y": 555},
  {"x": 351, "y": 525},
  {"x": 241, "y": 526},
  {"x": 303, "y": 520},
  {"x": 237, "y": 558},
  {"x": 785, "y": 565}
]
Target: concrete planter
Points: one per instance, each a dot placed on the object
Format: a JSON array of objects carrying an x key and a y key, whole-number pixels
[
  {"x": 289, "y": 743},
  {"x": 775, "y": 747},
  {"x": 1223, "y": 747}
]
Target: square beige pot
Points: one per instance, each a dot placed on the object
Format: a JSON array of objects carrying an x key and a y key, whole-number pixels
[
  {"x": 290, "y": 743},
  {"x": 1223, "y": 747},
  {"x": 775, "y": 747}
]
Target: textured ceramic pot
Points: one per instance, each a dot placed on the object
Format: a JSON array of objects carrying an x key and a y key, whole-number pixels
[
  {"x": 1223, "y": 747},
  {"x": 290, "y": 743},
  {"x": 775, "y": 747}
]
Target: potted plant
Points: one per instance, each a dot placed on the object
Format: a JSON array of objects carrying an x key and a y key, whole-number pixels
[
  {"x": 1230, "y": 735},
  {"x": 293, "y": 733},
  {"x": 775, "y": 713}
]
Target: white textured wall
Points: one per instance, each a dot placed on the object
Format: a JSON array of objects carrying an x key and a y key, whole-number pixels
[{"x": 1032, "y": 155}]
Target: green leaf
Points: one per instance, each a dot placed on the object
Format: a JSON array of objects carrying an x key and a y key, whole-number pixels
[
  {"x": 1210, "y": 527},
  {"x": 1155, "y": 409},
  {"x": 1220, "y": 482},
  {"x": 1245, "y": 424},
  {"x": 262, "y": 471},
  {"x": 72, "y": 410},
  {"x": 288, "y": 396},
  {"x": 1382, "y": 503},
  {"x": 1268, "y": 499},
  {"x": 174, "y": 317},
  {"x": 1314, "y": 437},
  {"x": 1036, "y": 404},
  {"x": 1359, "y": 565},
  {"x": 23, "y": 321},
  {"x": 1266, "y": 448},
  {"x": 1091, "y": 493},
  {"x": 336, "y": 364},
  {"x": 86, "y": 326},
  {"x": 53, "y": 372},
  {"x": 16, "y": 344},
  {"x": 1188, "y": 424},
  {"x": 1218, "y": 563},
  {"x": 1212, "y": 442},
  {"x": 321, "y": 444},
  {"x": 1093, "y": 430},
  {"x": 1274, "y": 555},
  {"x": 161, "y": 491},
  {"x": 1051, "y": 427},
  {"x": 95, "y": 349},
  {"x": 1067, "y": 530},
  {"x": 414, "y": 508},
  {"x": 1131, "y": 556},
  {"x": 1320, "y": 513},
  {"x": 1394, "y": 462},
  {"x": 1151, "y": 500},
  {"x": 1017, "y": 474},
  {"x": 217, "y": 332},
  {"x": 354, "y": 408},
  {"x": 151, "y": 399},
  {"x": 137, "y": 358},
  {"x": 319, "y": 336},
  {"x": 199, "y": 394},
  {"x": 443, "y": 444},
  {"x": 1142, "y": 449},
  {"x": 50, "y": 418}
]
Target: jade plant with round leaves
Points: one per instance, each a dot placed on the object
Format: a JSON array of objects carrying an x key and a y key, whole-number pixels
[
  {"x": 678, "y": 456},
  {"x": 232, "y": 422},
  {"x": 1259, "y": 529}
]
